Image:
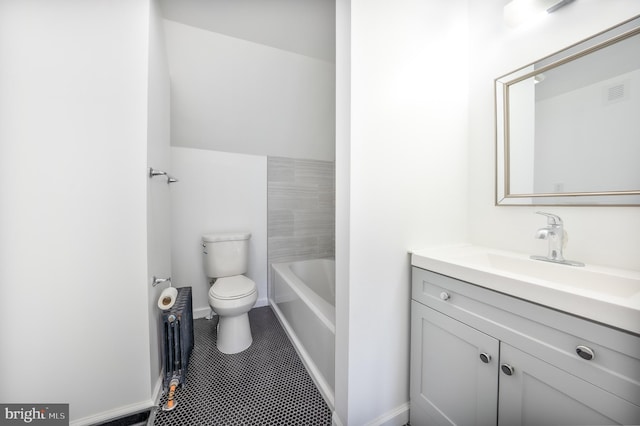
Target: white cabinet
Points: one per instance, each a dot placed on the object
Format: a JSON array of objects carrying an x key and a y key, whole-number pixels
[
  {"x": 479, "y": 357},
  {"x": 450, "y": 385},
  {"x": 537, "y": 393}
]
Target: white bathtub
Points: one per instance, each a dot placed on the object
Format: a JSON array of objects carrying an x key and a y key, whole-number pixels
[{"x": 303, "y": 299}]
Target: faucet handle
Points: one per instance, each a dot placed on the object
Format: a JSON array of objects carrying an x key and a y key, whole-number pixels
[{"x": 552, "y": 219}]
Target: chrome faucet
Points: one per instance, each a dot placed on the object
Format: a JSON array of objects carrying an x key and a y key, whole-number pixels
[{"x": 554, "y": 232}]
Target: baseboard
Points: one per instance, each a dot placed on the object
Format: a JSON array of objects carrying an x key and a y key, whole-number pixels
[
  {"x": 395, "y": 417},
  {"x": 157, "y": 390},
  {"x": 201, "y": 312},
  {"x": 127, "y": 410},
  {"x": 116, "y": 413}
]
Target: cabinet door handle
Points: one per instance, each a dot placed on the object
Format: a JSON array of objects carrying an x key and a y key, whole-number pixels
[
  {"x": 485, "y": 357},
  {"x": 444, "y": 295},
  {"x": 507, "y": 369},
  {"x": 585, "y": 352}
]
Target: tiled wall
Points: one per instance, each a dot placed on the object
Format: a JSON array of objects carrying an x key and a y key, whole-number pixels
[{"x": 301, "y": 209}]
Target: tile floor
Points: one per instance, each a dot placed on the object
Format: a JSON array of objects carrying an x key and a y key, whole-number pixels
[{"x": 264, "y": 385}]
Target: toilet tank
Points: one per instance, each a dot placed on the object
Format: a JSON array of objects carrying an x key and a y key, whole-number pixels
[{"x": 226, "y": 254}]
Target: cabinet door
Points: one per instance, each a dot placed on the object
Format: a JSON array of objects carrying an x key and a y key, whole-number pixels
[
  {"x": 450, "y": 383},
  {"x": 537, "y": 393}
]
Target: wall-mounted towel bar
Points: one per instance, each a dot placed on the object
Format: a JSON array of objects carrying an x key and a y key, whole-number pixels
[
  {"x": 155, "y": 172},
  {"x": 157, "y": 281}
]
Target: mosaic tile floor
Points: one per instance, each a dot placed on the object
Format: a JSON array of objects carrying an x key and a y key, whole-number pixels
[{"x": 264, "y": 385}]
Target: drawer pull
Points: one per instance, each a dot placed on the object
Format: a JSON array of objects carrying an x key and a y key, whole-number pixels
[
  {"x": 484, "y": 357},
  {"x": 585, "y": 352},
  {"x": 444, "y": 295},
  {"x": 507, "y": 369}
]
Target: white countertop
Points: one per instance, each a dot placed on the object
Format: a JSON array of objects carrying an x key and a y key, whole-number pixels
[{"x": 607, "y": 295}]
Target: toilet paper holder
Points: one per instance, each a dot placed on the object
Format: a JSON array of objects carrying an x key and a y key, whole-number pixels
[{"x": 157, "y": 281}]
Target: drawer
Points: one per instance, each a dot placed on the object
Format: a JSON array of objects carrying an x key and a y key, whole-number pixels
[{"x": 547, "y": 334}]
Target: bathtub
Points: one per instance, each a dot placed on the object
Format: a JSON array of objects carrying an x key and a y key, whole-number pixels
[{"x": 303, "y": 298}]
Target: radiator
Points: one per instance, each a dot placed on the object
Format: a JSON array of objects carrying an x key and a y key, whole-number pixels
[{"x": 177, "y": 337}]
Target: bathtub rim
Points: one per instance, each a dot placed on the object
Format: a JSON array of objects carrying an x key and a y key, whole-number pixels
[{"x": 283, "y": 269}]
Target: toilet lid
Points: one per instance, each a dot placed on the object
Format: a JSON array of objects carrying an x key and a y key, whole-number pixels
[{"x": 233, "y": 287}]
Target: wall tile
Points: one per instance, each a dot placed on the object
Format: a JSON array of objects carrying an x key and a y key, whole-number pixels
[
  {"x": 280, "y": 223},
  {"x": 300, "y": 209}
]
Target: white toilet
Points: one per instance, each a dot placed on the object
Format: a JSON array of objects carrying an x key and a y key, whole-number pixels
[{"x": 232, "y": 294}]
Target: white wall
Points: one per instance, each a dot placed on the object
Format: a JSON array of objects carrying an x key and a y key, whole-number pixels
[
  {"x": 406, "y": 174},
  {"x": 158, "y": 192},
  {"x": 217, "y": 192},
  {"x": 238, "y": 96},
  {"x": 73, "y": 194},
  {"x": 601, "y": 235},
  {"x": 419, "y": 167},
  {"x": 343, "y": 166}
]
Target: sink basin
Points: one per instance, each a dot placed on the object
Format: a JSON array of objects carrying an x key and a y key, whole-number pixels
[
  {"x": 564, "y": 275},
  {"x": 607, "y": 295}
]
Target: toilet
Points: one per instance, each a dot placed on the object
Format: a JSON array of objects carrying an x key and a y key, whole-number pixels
[{"x": 232, "y": 295}]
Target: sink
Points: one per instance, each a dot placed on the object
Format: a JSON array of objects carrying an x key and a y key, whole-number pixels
[
  {"x": 564, "y": 275},
  {"x": 606, "y": 295}
]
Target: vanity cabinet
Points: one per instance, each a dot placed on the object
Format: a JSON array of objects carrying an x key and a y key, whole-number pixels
[
  {"x": 449, "y": 383},
  {"x": 479, "y": 357}
]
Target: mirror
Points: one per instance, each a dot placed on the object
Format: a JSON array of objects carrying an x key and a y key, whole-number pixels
[{"x": 568, "y": 125}]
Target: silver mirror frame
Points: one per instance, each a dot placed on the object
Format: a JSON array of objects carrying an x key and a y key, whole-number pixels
[{"x": 503, "y": 194}]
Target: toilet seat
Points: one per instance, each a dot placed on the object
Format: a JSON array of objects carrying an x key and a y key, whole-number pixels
[{"x": 230, "y": 288}]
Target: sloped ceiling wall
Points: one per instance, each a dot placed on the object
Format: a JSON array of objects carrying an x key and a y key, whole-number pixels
[
  {"x": 304, "y": 27},
  {"x": 253, "y": 77}
]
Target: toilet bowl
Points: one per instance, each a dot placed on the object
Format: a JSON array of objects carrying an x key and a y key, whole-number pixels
[
  {"x": 232, "y": 294},
  {"x": 232, "y": 298}
]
